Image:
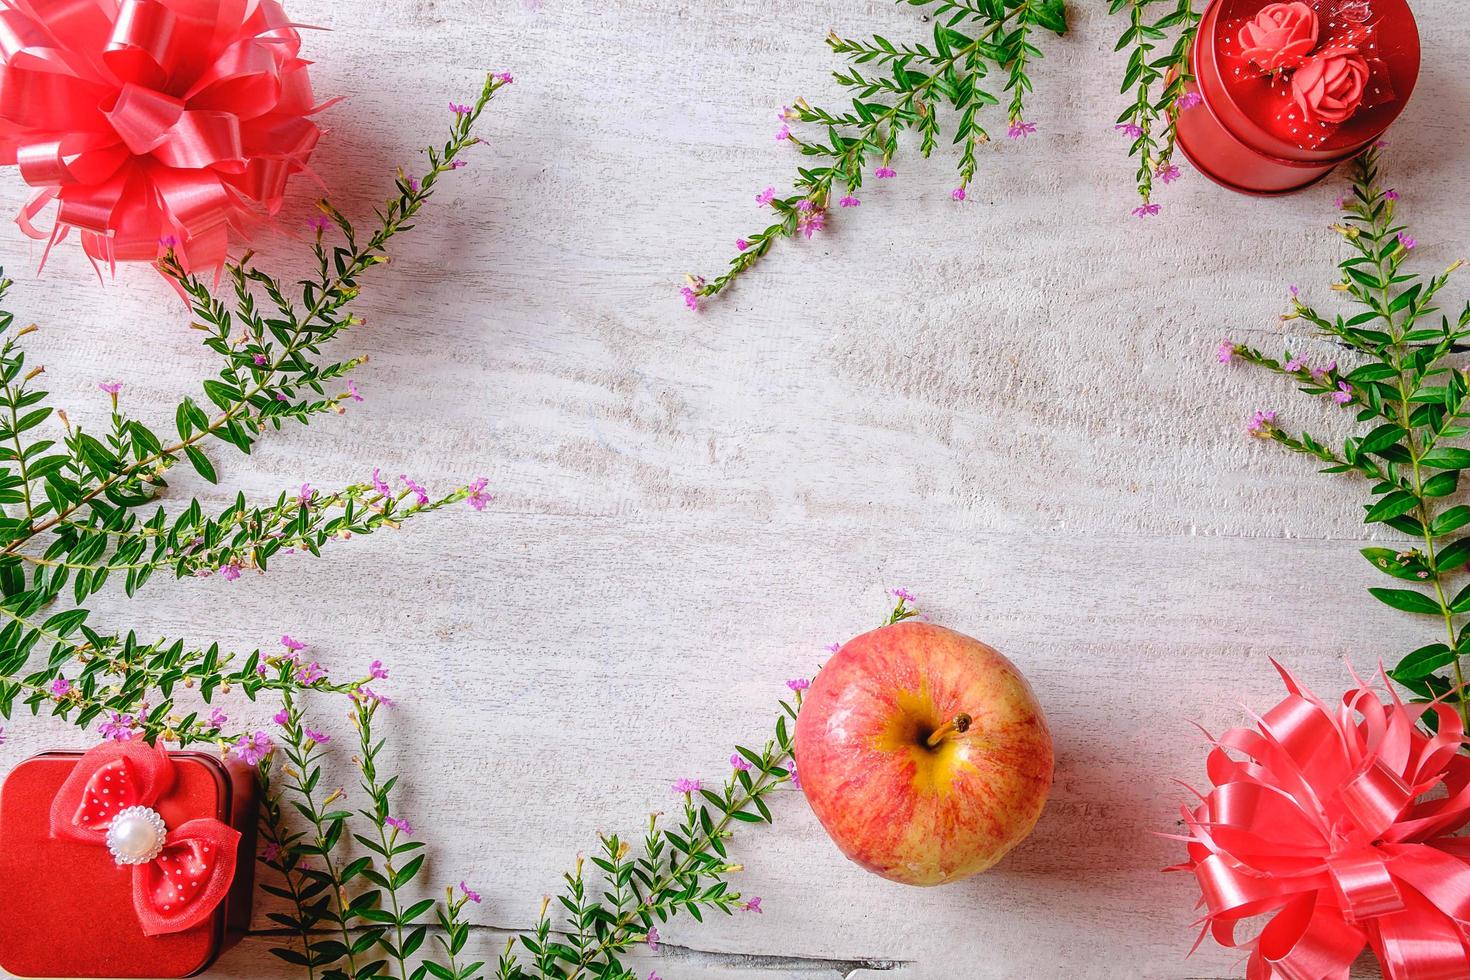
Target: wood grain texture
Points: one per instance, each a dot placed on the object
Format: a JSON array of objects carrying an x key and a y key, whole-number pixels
[{"x": 1009, "y": 406}]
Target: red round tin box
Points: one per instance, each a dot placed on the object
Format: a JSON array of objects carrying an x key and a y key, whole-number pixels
[
  {"x": 67, "y": 907},
  {"x": 1256, "y": 120}
]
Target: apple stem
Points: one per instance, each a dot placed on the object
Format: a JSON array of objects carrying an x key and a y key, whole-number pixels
[{"x": 959, "y": 724}]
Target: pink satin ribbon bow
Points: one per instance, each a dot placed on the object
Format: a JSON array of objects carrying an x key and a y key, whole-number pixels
[
  {"x": 153, "y": 123},
  {"x": 1320, "y": 820},
  {"x": 180, "y": 874}
]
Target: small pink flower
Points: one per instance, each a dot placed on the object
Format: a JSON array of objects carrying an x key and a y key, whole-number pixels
[
  {"x": 1226, "y": 352},
  {"x": 1320, "y": 373},
  {"x": 505, "y": 78},
  {"x": 319, "y": 223},
  {"x": 416, "y": 489},
  {"x": 849, "y": 202},
  {"x": 477, "y": 497},
  {"x": 1295, "y": 364},
  {"x": 883, "y": 173},
  {"x": 292, "y": 645},
  {"x": 795, "y": 778},
  {"x": 377, "y": 671},
  {"x": 738, "y": 761},
  {"x": 459, "y": 164},
  {"x": 784, "y": 133},
  {"x": 368, "y": 694},
  {"x": 1406, "y": 241},
  {"x": 252, "y": 748},
  {"x": 958, "y": 194},
  {"x": 1130, "y": 130},
  {"x": 1344, "y": 393},
  {"x": 798, "y": 684},
  {"x": 1188, "y": 101},
  {"x": 804, "y": 205},
  {"x": 754, "y": 905},
  {"x": 270, "y": 852},
  {"x": 352, "y": 390},
  {"x": 230, "y": 572},
  {"x": 903, "y": 595},
  {"x": 260, "y": 360},
  {"x": 306, "y": 493},
  {"x": 652, "y": 939},
  {"x": 399, "y": 824},
  {"x": 766, "y": 196},
  {"x": 111, "y": 387},
  {"x": 1261, "y": 421},
  {"x": 811, "y": 222},
  {"x": 1147, "y": 210},
  {"x": 691, "y": 298},
  {"x": 217, "y": 718},
  {"x": 687, "y": 786},
  {"x": 378, "y": 484},
  {"x": 459, "y": 110},
  {"x": 1020, "y": 129},
  {"x": 741, "y": 244},
  {"x": 282, "y": 717},
  {"x": 834, "y": 646},
  {"x": 469, "y": 892},
  {"x": 310, "y": 673},
  {"x": 61, "y": 687},
  {"x": 1391, "y": 194},
  {"x": 320, "y": 738},
  {"x": 118, "y": 728},
  {"x": 1168, "y": 173}
]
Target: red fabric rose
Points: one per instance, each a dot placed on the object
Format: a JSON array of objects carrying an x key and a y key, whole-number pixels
[
  {"x": 1280, "y": 36},
  {"x": 1329, "y": 85}
]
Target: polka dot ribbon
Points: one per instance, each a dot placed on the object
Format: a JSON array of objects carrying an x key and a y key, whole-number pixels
[{"x": 191, "y": 874}]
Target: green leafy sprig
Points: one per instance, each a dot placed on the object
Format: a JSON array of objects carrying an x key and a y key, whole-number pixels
[
  {"x": 905, "y": 89},
  {"x": 1406, "y": 386},
  {"x": 1155, "y": 83},
  {"x": 80, "y": 508}
]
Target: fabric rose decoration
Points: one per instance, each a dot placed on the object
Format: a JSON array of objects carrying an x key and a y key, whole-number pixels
[
  {"x": 1280, "y": 36},
  {"x": 1329, "y": 86}
]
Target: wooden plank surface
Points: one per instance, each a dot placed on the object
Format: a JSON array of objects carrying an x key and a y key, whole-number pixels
[{"x": 1009, "y": 406}]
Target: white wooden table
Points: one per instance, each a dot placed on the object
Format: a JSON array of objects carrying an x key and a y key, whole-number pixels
[{"x": 1009, "y": 406}]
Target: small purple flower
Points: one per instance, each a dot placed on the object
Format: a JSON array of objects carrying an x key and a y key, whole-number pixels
[
  {"x": 478, "y": 498},
  {"x": 1130, "y": 130},
  {"x": 798, "y": 684},
  {"x": 1020, "y": 129},
  {"x": 281, "y": 397},
  {"x": 1262, "y": 420},
  {"x": 687, "y": 786},
  {"x": 811, "y": 222},
  {"x": 1406, "y": 241},
  {"x": 270, "y": 852},
  {"x": 738, "y": 761},
  {"x": 1344, "y": 393},
  {"x": 469, "y": 893},
  {"x": 1295, "y": 364},
  {"x": 459, "y": 109},
  {"x": 61, "y": 687},
  {"x": 958, "y": 194},
  {"x": 319, "y": 737},
  {"x": 1339, "y": 202},
  {"x": 754, "y": 905},
  {"x": 903, "y": 595},
  {"x": 784, "y": 133},
  {"x": 111, "y": 387},
  {"x": 310, "y": 673},
  {"x": 217, "y": 718},
  {"x": 766, "y": 196},
  {"x": 377, "y": 671},
  {"x": 652, "y": 939},
  {"x": 1188, "y": 101},
  {"x": 1320, "y": 373},
  {"x": 653, "y": 975},
  {"x": 379, "y": 485},
  {"x": 368, "y": 694},
  {"x": 691, "y": 298},
  {"x": 834, "y": 646},
  {"x": 352, "y": 390},
  {"x": 1391, "y": 194},
  {"x": 252, "y": 748},
  {"x": 883, "y": 173},
  {"x": 294, "y": 646},
  {"x": 1295, "y": 292},
  {"x": 118, "y": 728},
  {"x": 786, "y": 114},
  {"x": 795, "y": 778},
  {"x": 230, "y": 572},
  {"x": 1147, "y": 210},
  {"x": 804, "y": 205},
  {"x": 169, "y": 241},
  {"x": 505, "y": 78},
  {"x": 413, "y": 184},
  {"x": 260, "y": 360},
  {"x": 319, "y": 223},
  {"x": 282, "y": 717},
  {"x": 741, "y": 244},
  {"x": 849, "y": 202},
  {"x": 1226, "y": 352},
  {"x": 399, "y": 824},
  {"x": 306, "y": 493},
  {"x": 417, "y": 490},
  {"x": 1168, "y": 173}
]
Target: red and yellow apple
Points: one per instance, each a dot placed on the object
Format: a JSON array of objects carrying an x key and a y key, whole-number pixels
[{"x": 923, "y": 752}]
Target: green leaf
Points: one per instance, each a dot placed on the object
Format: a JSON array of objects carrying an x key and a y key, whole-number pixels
[
  {"x": 1408, "y": 601},
  {"x": 1451, "y": 520},
  {"x": 1423, "y": 662},
  {"x": 1447, "y": 458},
  {"x": 1381, "y": 438},
  {"x": 201, "y": 463},
  {"x": 1393, "y": 505}
]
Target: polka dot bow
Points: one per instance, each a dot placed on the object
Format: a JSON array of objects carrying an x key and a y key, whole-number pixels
[{"x": 180, "y": 875}]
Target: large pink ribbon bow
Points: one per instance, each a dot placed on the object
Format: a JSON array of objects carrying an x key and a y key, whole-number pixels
[
  {"x": 152, "y": 123},
  {"x": 1333, "y": 823},
  {"x": 180, "y": 874}
]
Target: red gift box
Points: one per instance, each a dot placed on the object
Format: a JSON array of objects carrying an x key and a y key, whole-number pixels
[
  {"x": 1260, "y": 129},
  {"x": 70, "y": 908}
]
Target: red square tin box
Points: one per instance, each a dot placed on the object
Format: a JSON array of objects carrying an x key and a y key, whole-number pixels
[{"x": 125, "y": 861}]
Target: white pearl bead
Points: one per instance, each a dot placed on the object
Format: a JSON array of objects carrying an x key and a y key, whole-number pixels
[{"x": 136, "y": 835}]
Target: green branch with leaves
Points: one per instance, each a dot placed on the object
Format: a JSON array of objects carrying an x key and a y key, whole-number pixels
[
  {"x": 978, "y": 48},
  {"x": 1156, "y": 84},
  {"x": 1406, "y": 387}
]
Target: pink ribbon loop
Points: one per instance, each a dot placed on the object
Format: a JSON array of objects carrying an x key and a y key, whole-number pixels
[
  {"x": 1325, "y": 827},
  {"x": 182, "y": 878},
  {"x": 153, "y": 123}
]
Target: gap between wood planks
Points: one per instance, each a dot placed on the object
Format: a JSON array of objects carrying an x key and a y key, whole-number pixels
[{"x": 844, "y": 968}]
